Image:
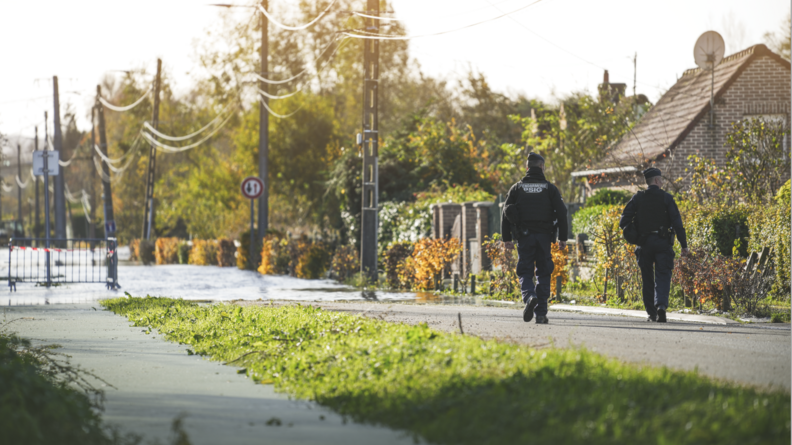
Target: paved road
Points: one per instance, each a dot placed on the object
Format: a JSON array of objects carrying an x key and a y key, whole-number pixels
[
  {"x": 754, "y": 354},
  {"x": 156, "y": 381}
]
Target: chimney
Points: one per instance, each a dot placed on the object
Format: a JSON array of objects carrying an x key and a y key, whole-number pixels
[{"x": 605, "y": 79}]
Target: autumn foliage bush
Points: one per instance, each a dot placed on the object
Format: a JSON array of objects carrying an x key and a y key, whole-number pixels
[
  {"x": 345, "y": 263},
  {"x": 504, "y": 282},
  {"x": 203, "y": 253},
  {"x": 396, "y": 254},
  {"x": 225, "y": 253},
  {"x": 166, "y": 250},
  {"x": 428, "y": 259},
  {"x": 313, "y": 261}
]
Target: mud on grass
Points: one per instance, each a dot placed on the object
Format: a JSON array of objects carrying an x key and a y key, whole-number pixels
[{"x": 451, "y": 389}]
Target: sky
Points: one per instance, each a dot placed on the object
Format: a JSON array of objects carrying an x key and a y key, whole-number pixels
[{"x": 546, "y": 50}]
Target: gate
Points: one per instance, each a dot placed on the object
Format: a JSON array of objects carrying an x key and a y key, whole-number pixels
[{"x": 66, "y": 261}]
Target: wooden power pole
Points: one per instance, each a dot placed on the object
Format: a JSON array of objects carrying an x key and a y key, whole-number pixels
[
  {"x": 57, "y": 142},
  {"x": 37, "y": 222},
  {"x": 19, "y": 184},
  {"x": 148, "y": 214},
  {"x": 92, "y": 224},
  {"x": 263, "y": 158},
  {"x": 107, "y": 190},
  {"x": 370, "y": 141}
]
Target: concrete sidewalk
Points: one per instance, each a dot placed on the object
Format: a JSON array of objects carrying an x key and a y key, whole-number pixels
[
  {"x": 157, "y": 380},
  {"x": 693, "y": 318}
]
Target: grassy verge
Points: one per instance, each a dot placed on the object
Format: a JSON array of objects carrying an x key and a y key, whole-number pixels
[{"x": 449, "y": 388}]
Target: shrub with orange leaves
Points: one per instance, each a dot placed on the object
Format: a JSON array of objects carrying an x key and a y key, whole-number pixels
[
  {"x": 706, "y": 275},
  {"x": 560, "y": 260},
  {"x": 430, "y": 257},
  {"x": 166, "y": 250}
]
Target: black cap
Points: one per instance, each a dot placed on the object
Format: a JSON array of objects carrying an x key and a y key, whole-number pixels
[
  {"x": 535, "y": 157},
  {"x": 651, "y": 172}
]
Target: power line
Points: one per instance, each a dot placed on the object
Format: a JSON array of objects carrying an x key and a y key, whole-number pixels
[
  {"x": 161, "y": 135},
  {"x": 376, "y": 36},
  {"x": 128, "y": 107},
  {"x": 546, "y": 40},
  {"x": 296, "y": 28},
  {"x": 301, "y": 73},
  {"x": 281, "y": 116},
  {"x": 172, "y": 149}
]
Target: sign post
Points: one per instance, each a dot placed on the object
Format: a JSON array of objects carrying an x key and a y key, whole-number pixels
[
  {"x": 45, "y": 163},
  {"x": 252, "y": 189}
]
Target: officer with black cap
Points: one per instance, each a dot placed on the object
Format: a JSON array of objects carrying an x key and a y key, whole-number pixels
[
  {"x": 531, "y": 214},
  {"x": 657, "y": 218}
]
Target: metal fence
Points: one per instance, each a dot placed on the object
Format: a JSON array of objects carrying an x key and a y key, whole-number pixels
[{"x": 65, "y": 261}]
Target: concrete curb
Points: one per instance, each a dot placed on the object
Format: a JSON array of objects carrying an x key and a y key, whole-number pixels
[{"x": 641, "y": 314}]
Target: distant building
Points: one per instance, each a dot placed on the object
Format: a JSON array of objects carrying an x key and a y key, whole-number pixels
[{"x": 754, "y": 82}]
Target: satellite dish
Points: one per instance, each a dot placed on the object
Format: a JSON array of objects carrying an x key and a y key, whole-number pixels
[{"x": 709, "y": 50}]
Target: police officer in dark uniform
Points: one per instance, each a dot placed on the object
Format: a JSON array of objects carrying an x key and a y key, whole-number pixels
[
  {"x": 657, "y": 218},
  {"x": 531, "y": 214}
]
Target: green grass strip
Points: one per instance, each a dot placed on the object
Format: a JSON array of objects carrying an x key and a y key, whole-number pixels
[{"x": 455, "y": 389}]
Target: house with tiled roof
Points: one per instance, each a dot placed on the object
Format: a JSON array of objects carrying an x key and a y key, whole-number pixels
[{"x": 754, "y": 82}]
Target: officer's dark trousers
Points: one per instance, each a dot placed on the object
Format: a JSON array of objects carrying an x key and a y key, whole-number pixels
[
  {"x": 534, "y": 255},
  {"x": 656, "y": 261}
]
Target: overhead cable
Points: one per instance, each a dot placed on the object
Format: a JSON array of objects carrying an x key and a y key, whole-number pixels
[
  {"x": 281, "y": 116},
  {"x": 376, "y": 36},
  {"x": 117, "y": 170},
  {"x": 74, "y": 154},
  {"x": 20, "y": 183},
  {"x": 128, "y": 107},
  {"x": 546, "y": 40},
  {"x": 269, "y": 96},
  {"x": 296, "y": 28},
  {"x": 384, "y": 19},
  {"x": 105, "y": 177},
  {"x": 161, "y": 135},
  {"x": 172, "y": 149},
  {"x": 279, "y": 82},
  {"x": 6, "y": 188},
  {"x": 130, "y": 152}
]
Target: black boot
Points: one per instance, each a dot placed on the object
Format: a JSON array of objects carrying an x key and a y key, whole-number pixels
[
  {"x": 528, "y": 312},
  {"x": 661, "y": 315},
  {"x": 541, "y": 319}
]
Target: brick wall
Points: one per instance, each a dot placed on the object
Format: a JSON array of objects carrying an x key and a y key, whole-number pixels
[{"x": 762, "y": 88}]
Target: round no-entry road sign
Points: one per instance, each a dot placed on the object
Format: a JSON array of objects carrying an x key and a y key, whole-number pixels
[{"x": 252, "y": 187}]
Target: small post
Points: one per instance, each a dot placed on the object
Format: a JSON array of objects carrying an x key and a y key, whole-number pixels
[
  {"x": 559, "y": 283},
  {"x": 459, "y": 316},
  {"x": 473, "y": 285},
  {"x": 620, "y": 288},
  {"x": 456, "y": 283},
  {"x": 688, "y": 301},
  {"x": 726, "y": 300},
  {"x": 252, "y": 236}
]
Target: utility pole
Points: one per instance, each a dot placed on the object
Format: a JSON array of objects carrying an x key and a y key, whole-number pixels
[
  {"x": 47, "y": 203},
  {"x": 92, "y": 224},
  {"x": 263, "y": 211},
  {"x": 110, "y": 228},
  {"x": 60, "y": 196},
  {"x": 635, "y": 74},
  {"x": 19, "y": 186},
  {"x": 37, "y": 222},
  {"x": 148, "y": 214},
  {"x": 369, "y": 214}
]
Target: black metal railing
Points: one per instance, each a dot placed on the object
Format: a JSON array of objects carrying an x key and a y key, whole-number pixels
[{"x": 64, "y": 261}]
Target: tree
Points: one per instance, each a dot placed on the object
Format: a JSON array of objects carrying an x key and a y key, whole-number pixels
[
  {"x": 780, "y": 40},
  {"x": 758, "y": 157}
]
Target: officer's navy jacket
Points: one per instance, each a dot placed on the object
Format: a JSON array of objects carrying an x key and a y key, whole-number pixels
[
  {"x": 673, "y": 212},
  {"x": 559, "y": 210}
]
